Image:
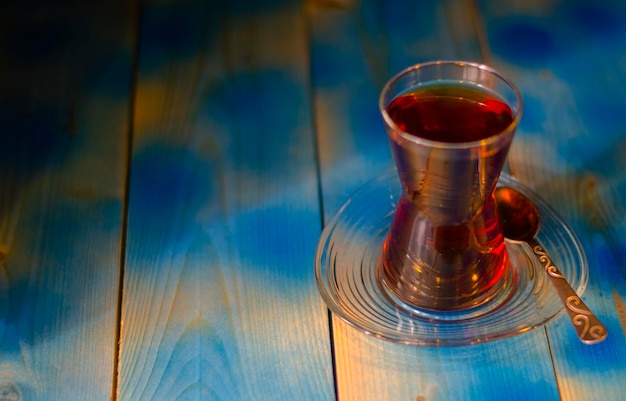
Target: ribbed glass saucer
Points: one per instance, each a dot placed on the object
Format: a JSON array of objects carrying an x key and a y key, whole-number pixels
[{"x": 346, "y": 270}]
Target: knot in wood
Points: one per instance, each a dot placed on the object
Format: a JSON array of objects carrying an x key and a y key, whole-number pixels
[{"x": 9, "y": 392}]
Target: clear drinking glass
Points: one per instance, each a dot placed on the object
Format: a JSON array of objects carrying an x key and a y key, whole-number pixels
[
  {"x": 450, "y": 125},
  {"x": 421, "y": 260}
]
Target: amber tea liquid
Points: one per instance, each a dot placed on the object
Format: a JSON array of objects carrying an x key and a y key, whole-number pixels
[
  {"x": 450, "y": 113},
  {"x": 445, "y": 250}
]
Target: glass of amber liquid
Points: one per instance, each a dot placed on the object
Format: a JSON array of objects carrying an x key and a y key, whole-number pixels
[{"x": 450, "y": 126}]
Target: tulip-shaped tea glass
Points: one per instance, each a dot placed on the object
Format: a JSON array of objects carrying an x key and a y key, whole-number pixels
[
  {"x": 450, "y": 126},
  {"x": 417, "y": 255}
]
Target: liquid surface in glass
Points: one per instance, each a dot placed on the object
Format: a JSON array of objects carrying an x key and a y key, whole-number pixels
[{"x": 450, "y": 113}]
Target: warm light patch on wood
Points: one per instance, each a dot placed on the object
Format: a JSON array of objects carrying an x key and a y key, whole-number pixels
[{"x": 621, "y": 308}]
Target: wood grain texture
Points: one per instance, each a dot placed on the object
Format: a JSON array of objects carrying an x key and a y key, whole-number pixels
[
  {"x": 566, "y": 58},
  {"x": 377, "y": 39},
  {"x": 355, "y": 47},
  {"x": 514, "y": 369},
  {"x": 65, "y": 78},
  {"x": 251, "y": 123},
  {"x": 219, "y": 296}
]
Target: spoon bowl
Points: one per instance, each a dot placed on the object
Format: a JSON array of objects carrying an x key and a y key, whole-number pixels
[
  {"x": 520, "y": 221},
  {"x": 519, "y": 217}
]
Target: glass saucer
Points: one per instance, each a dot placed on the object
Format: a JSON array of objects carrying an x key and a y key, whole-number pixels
[{"x": 346, "y": 270}]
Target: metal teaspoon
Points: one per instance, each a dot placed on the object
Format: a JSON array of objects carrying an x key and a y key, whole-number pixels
[{"x": 520, "y": 221}]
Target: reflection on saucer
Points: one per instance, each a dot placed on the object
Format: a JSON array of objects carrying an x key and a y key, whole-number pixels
[{"x": 346, "y": 269}]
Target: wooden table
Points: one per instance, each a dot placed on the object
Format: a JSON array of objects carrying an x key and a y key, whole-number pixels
[{"x": 167, "y": 167}]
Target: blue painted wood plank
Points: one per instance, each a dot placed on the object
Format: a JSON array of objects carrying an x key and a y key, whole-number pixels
[
  {"x": 371, "y": 369},
  {"x": 354, "y": 149},
  {"x": 219, "y": 297},
  {"x": 65, "y": 79},
  {"x": 355, "y": 48},
  {"x": 568, "y": 58}
]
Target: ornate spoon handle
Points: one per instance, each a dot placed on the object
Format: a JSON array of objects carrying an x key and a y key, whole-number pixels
[{"x": 589, "y": 329}]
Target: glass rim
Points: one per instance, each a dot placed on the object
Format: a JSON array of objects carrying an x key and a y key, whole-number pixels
[{"x": 450, "y": 145}]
